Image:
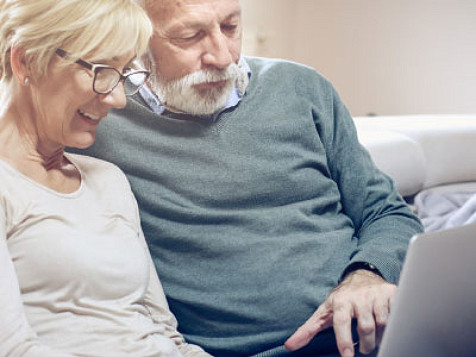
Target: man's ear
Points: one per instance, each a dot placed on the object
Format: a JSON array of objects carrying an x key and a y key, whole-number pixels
[{"x": 18, "y": 63}]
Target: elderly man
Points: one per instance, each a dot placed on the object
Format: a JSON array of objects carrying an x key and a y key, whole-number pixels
[{"x": 270, "y": 227}]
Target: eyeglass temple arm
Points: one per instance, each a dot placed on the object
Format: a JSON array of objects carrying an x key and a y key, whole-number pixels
[{"x": 64, "y": 54}]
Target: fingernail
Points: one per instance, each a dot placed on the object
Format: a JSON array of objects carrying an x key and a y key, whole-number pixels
[{"x": 348, "y": 353}]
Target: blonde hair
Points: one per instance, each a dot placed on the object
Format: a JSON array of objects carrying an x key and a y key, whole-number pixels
[{"x": 83, "y": 28}]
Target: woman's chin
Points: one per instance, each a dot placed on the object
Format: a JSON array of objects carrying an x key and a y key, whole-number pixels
[{"x": 83, "y": 142}]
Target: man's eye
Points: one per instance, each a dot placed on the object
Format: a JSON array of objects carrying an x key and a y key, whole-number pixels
[
  {"x": 190, "y": 37},
  {"x": 230, "y": 28}
]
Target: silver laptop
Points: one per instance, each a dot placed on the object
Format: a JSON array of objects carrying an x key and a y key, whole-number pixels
[{"x": 434, "y": 313}]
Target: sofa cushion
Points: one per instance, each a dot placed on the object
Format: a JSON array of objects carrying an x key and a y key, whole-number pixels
[
  {"x": 402, "y": 146},
  {"x": 398, "y": 156}
]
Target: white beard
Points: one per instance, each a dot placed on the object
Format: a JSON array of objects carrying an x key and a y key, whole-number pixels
[{"x": 182, "y": 95}]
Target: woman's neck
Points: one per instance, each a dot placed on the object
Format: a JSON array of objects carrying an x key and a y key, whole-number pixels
[
  {"x": 23, "y": 146},
  {"x": 49, "y": 158},
  {"x": 22, "y": 140},
  {"x": 27, "y": 147}
]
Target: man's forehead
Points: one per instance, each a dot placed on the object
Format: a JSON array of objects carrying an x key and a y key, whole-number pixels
[{"x": 166, "y": 7}]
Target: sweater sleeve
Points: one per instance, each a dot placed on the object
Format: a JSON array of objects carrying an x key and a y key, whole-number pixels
[
  {"x": 382, "y": 220},
  {"x": 16, "y": 336}
]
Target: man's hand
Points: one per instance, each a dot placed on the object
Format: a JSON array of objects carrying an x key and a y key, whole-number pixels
[{"x": 362, "y": 295}]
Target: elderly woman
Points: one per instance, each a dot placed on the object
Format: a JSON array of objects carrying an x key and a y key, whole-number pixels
[{"x": 76, "y": 277}]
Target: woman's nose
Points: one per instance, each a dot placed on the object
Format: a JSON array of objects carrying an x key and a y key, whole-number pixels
[{"x": 117, "y": 98}]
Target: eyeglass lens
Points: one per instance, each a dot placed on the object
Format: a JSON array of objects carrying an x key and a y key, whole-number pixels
[
  {"x": 134, "y": 82},
  {"x": 107, "y": 78}
]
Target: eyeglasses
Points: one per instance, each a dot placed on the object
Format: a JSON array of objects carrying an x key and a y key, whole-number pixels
[{"x": 106, "y": 78}]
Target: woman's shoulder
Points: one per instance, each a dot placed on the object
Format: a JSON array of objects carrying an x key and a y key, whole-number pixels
[
  {"x": 97, "y": 170},
  {"x": 85, "y": 162}
]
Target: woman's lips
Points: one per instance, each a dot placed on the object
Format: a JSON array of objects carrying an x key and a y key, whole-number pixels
[{"x": 89, "y": 118}]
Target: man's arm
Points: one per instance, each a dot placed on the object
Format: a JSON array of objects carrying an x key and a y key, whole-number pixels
[{"x": 383, "y": 225}]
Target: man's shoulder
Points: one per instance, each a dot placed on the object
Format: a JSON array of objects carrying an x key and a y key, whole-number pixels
[
  {"x": 285, "y": 70},
  {"x": 264, "y": 64},
  {"x": 287, "y": 74}
]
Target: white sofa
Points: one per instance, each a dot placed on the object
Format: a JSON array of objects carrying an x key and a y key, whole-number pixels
[
  {"x": 422, "y": 151},
  {"x": 432, "y": 159}
]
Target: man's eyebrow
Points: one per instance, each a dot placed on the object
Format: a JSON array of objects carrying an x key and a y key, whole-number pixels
[
  {"x": 177, "y": 27},
  {"x": 194, "y": 23},
  {"x": 236, "y": 13}
]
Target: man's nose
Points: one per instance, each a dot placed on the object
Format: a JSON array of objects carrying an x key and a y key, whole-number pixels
[{"x": 217, "y": 52}]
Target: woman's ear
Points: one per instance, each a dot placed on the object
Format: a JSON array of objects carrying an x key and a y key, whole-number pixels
[{"x": 18, "y": 63}]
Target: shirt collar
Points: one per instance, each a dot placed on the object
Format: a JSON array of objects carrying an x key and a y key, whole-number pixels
[{"x": 235, "y": 96}]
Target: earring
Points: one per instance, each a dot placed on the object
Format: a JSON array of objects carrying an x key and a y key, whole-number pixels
[{"x": 27, "y": 80}]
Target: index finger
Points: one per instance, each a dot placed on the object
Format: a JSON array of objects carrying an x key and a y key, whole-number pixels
[
  {"x": 342, "y": 328},
  {"x": 320, "y": 320}
]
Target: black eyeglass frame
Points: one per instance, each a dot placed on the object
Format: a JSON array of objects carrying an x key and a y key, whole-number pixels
[{"x": 95, "y": 67}]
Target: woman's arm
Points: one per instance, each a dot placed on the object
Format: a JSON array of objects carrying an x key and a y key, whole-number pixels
[
  {"x": 161, "y": 314},
  {"x": 16, "y": 336},
  {"x": 158, "y": 307}
]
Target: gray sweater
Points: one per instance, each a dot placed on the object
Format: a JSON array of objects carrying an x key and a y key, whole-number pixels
[{"x": 252, "y": 219}]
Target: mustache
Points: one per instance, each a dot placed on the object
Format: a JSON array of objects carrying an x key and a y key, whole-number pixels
[{"x": 208, "y": 75}]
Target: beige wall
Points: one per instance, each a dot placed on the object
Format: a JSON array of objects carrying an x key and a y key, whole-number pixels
[
  {"x": 269, "y": 27},
  {"x": 384, "y": 56}
]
